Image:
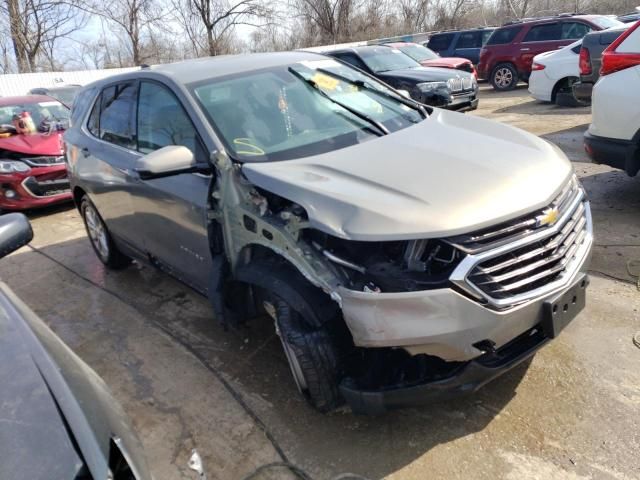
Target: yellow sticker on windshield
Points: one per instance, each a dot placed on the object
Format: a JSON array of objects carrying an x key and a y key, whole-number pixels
[{"x": 325, "y": 81}]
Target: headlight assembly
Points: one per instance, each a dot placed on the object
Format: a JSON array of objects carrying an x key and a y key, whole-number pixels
[
  {"x": 9, "y": 166},
  {"x": 430, "y": 86}
]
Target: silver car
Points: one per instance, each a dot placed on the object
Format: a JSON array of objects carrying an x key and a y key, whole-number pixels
[{"x": 404, "y": 253}]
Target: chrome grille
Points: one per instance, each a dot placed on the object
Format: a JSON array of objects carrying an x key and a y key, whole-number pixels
[
  {"x": 455, "y": 84},
  {"x": 519, "y": 260}
]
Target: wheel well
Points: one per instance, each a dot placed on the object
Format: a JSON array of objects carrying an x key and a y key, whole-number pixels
[
  {"x": 559, "y": 84},
  {"x": 78, "y": 193}
]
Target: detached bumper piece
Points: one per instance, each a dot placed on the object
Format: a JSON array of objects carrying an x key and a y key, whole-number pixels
[
  {"x": 466, "y": 380},
  {"x": 620, "y": 154}
]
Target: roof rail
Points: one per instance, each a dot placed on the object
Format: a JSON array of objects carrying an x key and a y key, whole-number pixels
[{"x": 546, "y": 17}]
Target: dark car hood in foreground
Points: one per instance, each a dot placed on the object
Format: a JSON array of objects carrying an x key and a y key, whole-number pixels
[
  {"x": 33, "y": 437},
  {"x": 422, "y": 74},
  {"x": 450, "y": 174},
  {"x": 49, "y": 399},
  {"x": 34, "y": 144}
]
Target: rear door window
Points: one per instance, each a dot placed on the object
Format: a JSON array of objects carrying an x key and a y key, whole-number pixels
[
  {"x": 469, "y": 40},
  {"x": 546, "y": 32},
  {"x": 118, "y": 115},
  {"x": 503, "y": 36},
  {"x": 441, "y": 41},
  {"x": 574, "y": 30}
]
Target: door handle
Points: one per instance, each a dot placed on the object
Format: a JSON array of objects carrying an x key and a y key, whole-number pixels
[
  {"x": 85, "y": 152},
  {"x": 525, "y": 49}
]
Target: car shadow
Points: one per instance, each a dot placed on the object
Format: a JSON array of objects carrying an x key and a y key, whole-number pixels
[
  {"x": 570, "y": 140},
  {"x": 251, "y": 359}
]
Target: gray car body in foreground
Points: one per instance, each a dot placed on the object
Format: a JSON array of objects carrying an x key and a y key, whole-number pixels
[
  {"x": 448, "y": 177},
  {"x": 59, "y": 419}
]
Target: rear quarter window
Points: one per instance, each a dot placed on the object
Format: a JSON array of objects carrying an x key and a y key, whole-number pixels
[
  {"x": 81, "y": 103},
  {"x": 469, "y": 40},
  {"x": 503, "y": 36}
]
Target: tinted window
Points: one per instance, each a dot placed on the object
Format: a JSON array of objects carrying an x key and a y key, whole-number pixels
[
  {"x": 503, "y": 35},
  {"x": 574, "y": 30},
  {"x": 485, "y": 35},
  {"x": 469, "y": 40},
  {"x": 384, "y": 59},
  {"x": 352, "y": 59},
  {"x": 577, "y": 48},
  {"x": 162, "y": 121},
  {"x": 543, "y": 33},
  {"x": 117, "y": 115},
  {"x": 440, "y": 42}
]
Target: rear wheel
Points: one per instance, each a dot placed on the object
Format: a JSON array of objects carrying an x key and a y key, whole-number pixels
[
  {"x": 563, "y": 94},
  {"x": 504, "y": 77},
  {"x": 100, "y": 239}
]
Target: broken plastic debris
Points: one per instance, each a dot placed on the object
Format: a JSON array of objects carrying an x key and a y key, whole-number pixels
[{"x": 195, "y": 464}]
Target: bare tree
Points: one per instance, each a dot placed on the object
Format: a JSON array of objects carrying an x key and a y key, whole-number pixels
[
  {"x": 331, "y": 18},
  {"x": 38, "y": 24},
  {"x": 210, "y": 24},
  {"x": 133, "y": 21}
]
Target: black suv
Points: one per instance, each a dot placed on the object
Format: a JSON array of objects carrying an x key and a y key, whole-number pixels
[
  {"x": 593, "y": 45},
  {"x": 438, "y": 87},
  {"x": 462, "y": 43}
]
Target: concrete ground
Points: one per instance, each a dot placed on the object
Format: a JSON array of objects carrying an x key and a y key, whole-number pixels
[{"x": 186, "y": 383}]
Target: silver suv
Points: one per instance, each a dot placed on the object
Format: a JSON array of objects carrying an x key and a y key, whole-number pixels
[{"x": 404, "y": 253}]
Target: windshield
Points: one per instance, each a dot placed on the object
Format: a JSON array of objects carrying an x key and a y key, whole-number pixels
[
  {"x": 41, "y": 112},
  {"x": 607, "y": 22},
  {"x": 418, "y": 52},
  {"x": 384, "y": 59},
  {"x": 298, "y": 110},
  {"x": 65, "y": 95}
]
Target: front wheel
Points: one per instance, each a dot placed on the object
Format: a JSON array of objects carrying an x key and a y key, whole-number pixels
[
  {"x": 101, "y": 240},
  {"x": 504, "y": 77},
  {"x": 310, "y": 352}
]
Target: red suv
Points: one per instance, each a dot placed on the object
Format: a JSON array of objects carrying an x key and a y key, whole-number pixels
[{"x": 507, "y": 56}]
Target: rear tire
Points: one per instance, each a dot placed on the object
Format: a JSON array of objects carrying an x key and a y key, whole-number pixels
[
  {"x": 100, "y": 238},
  {"x": 563, "y": 94},
  {"x": 504, "y": 77}
]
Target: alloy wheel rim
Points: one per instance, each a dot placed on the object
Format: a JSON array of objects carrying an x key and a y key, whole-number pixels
[
  {"x": 292, "y": 359},
  {"x": 97, "y": 232},
  {"x": 504, "y": 77}
]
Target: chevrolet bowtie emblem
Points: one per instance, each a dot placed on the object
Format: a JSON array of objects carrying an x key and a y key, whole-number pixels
[{"x": 548, "y": 217}]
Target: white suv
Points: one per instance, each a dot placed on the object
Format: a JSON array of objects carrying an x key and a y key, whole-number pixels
[{"x": 614, "y": 134}]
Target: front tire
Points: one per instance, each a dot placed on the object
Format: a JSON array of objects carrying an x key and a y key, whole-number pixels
[
  {"x": 100, "y": 238},
  {"x": 504, "y": 77},
  {"x": 311, "y": 354}
]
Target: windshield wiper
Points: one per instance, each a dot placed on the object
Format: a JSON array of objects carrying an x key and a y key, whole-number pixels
[
  {"x": 357, "y": 113},
  {"x": 359, "y": 83}
]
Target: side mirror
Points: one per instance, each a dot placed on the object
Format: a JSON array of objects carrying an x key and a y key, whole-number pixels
[
  {"x": 15, "y": 232},
  {"x": 166, "y": 161}
]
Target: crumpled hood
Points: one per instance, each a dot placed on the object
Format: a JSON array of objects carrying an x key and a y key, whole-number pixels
[
  {"x": 447, "y": 62},
  {"x": 447, "y": 175},
  {"x": 34, "y": 144}
]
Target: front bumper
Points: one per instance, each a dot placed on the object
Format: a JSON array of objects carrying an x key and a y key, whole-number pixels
[
  {"x": 464, "y": 102},
  {"x": 40, "y": 187},
  {"x": 620, "y": 154},
  {"x": 470, "y": 376}
]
